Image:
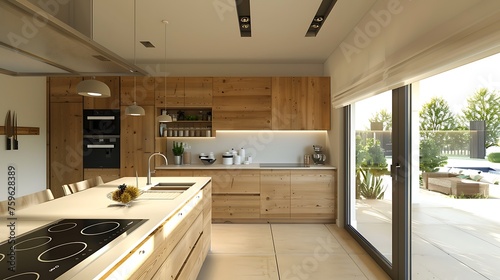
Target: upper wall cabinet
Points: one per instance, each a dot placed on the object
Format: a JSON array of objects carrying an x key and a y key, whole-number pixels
[
  {"x": 63, "y": 89},
  {"x": 242, "y": 103},
  {"x": 112, "y": 102},
  {"x": 198, "y": 91},
  {"x": 301, "y": 103},
  {"x": 139, "y": 89},
  {"x": 188, "y": 92}
]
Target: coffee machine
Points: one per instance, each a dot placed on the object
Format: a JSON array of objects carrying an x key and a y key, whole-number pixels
[{"x": 318, "y": 157}]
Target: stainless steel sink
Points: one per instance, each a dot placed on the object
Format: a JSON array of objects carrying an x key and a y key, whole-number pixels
[{"x": 164, "y": 186}]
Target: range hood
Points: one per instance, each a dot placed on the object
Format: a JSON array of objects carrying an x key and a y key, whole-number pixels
[{"x": 35, "y": 43}]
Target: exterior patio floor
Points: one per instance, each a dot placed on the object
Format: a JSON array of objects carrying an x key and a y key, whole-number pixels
[{"x": 451, "y": 238}]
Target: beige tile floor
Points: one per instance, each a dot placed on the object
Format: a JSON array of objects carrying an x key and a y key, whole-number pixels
[{"x": 286, "y": 252}]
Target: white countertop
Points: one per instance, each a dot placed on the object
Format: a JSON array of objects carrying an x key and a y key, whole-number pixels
[
  {"x": 93, "y": 204},
  {"x": 240, "y": 166}
]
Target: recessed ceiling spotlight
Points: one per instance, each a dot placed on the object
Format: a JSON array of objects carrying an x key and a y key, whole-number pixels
[
  {"x": 324, "y": 10},
  {"x": 243, "y": 12}
]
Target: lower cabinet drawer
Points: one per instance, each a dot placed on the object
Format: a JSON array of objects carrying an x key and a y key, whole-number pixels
[
  {"x": 175, "y": 261},
  {"x": 235, "y": 206}
]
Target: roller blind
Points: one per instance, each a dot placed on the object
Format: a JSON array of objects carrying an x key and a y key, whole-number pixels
[{"x": 471, "y": 33}]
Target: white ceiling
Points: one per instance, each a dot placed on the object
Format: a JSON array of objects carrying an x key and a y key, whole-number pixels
[{"x": 206, "y": 31}]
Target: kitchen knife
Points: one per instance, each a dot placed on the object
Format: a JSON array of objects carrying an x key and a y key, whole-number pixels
[
  {"x": 14, "y": 130},
  {"x": 7, "y": 130}
]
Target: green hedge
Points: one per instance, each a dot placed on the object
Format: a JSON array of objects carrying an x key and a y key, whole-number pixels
[{"x": 494, "y": 157}]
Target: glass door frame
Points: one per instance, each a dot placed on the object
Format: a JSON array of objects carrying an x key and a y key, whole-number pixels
[{"x": 400, "y": 268}]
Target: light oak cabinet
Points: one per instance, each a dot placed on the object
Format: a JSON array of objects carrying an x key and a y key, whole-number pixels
[
  {"x": 65, "y": 146},
  {"x": 107, "y": 174},
  {"x": 301, "y": 103},
  {"x": 235, "y": 194},
  {"x": 313, "y": 195},
  {"x": 269, "y": 195},
  {"x": 242, "y": 103},
  {"x": 63, "y": 90},
  {"x": 183, "y": 92},
  {"x": 137, "y": 140},
  {"x": 138, "y": 89},
  {"x": 176, "y": 249},
  {"x": 275, "y": 194}
]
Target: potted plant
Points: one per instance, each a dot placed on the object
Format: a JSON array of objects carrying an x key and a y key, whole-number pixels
[{"x": 178, "y": 149}]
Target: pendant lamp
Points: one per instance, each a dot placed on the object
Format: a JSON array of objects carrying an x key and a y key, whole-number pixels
[
  {"x": 134, "y": 109},
  {"x": 93, "y": 88},
  {"x": 164, "y": 117}
]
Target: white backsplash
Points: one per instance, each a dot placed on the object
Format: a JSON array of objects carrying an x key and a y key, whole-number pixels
[{"x": 263, "y": 146}]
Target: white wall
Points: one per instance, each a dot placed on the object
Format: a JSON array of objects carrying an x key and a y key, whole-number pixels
[
  {"x": 264, "y": 146},
  {"x": 26, "y": 96}
]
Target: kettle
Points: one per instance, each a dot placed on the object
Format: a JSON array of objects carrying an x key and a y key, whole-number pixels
[{"x": 318, "y": 157}]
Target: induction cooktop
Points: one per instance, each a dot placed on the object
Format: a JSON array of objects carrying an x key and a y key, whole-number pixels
[{"x": 51, "y": 250}]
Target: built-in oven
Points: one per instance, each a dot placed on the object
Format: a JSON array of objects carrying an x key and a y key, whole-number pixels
[
  {"x": 101, "y": 122},
  {"x": 101, "y": 139},
  {"x": 101, "y": 151}
]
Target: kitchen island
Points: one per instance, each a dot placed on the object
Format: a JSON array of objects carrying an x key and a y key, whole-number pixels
[{"x": 171, "y": 242}]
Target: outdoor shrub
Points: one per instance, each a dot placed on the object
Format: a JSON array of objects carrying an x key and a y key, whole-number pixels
[
  {"x": 370, "y": 185},
  {"x": 494, "y": 157},
  {"x": 430, "y": 156}
]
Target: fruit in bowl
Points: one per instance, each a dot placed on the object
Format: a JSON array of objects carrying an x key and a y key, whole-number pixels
[{"x": 125, "y": 194}]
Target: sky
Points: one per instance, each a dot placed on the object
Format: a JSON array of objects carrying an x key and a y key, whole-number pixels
[{"x": 454, "y": 86}]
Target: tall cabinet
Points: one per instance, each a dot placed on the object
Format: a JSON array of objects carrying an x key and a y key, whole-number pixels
[{"x": 65, "y": 163}]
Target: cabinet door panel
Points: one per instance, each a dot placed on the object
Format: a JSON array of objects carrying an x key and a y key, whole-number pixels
[
  {"x": 66, "y": 148},
  {"x": 63, "y": 89},
  {"x": 275, "y": 194},
  {"x": 140, "y": 89},
  {"x": 235, "y": 206},
  {"x": 198, "y": 92},
  {"x": 313, "y": 194},
  {"x": 175, "y": 95},
  {"x": 236, "y": 181},
  {"x": 242, "y": 103},
  {"x": 136, "y": 142}
]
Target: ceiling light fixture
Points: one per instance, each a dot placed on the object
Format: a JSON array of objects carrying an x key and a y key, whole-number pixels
[
  {"x": 134, "y": 109},
  {"x": 164, "y": 117},
  {"x": 324, "y": 10},
  {"x": 93, "y": 88},
  {"x": 244, "y": 22}
]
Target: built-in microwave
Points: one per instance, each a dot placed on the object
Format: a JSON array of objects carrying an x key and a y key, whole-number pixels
[{"x": 101, "y": 122}]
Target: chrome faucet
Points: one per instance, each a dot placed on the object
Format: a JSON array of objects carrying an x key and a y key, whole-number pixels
[{"x": 149, "y": 165}]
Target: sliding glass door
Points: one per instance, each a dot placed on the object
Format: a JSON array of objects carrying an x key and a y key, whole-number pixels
[{"x": 378, "y": 179}]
